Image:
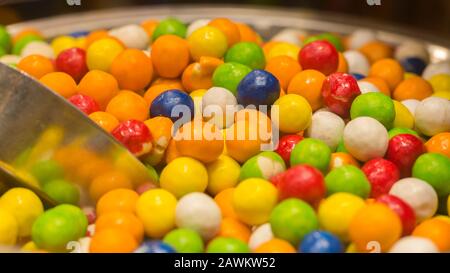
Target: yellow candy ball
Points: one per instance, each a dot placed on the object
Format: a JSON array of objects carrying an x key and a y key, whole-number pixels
[
  {"x": 184, "y": 175},
  {"x": 62, "y": 43},
  {"x": 156, "y": 209},
  {"x": 26, "y": 207},
  {"x": 207, "y": 41},
  {"x": 9, "y": 228},
  {"x": 403, "y": 117},
  {"x": 294, "y": 113},
  {"x": 254, "y": 200},
  {"x": 442, "y": 94},
  {"x": 102, "y": 53},
  {"x": 223, "y": 174},
  {"x": 336, "y": 212},
  {"x": 440, "y": 82},
  {"x": 283, "y": 49}
]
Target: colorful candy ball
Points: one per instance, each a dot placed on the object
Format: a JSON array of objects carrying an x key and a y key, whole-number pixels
[
  {"x": 173, "y": 104},
  {"x": 338, "y": 91},
  {"x": 403, "y": 150},
  {"x": 327, "y": 127},
  {"x": 264, "y": 165},
  {"x": 227, "y": 245},
  {"x": 319, "y": 55},
  {"x": 257, "y": 88},
  {"x": 184, "y": 240},
  {"x": 348, "y": 179},
  {"x": 432, "y": 116},
  {"x": 321, "y": 242},
  {"x": 286, "y": 145},
  {"x": 382, "y": 174},
  {"x": 434, "y": 169},
  {"x": 313, "y": 152}
]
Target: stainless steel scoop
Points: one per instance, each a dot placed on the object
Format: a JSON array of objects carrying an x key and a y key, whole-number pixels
[{"x": 38, "y": 124}]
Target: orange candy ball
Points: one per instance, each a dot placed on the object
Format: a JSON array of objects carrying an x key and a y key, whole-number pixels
[
  {"x": 133, "y": 69},
  {"x": 375, "y": 222},
  {"x": 36, "y": 66},
  {"x": 170, "y": 56},
  {"x": 413, "y": 88},
  {"x": 343, "y": 65},
  {"x": 117, "y": 200},
  {"x": 229, "y": 28},
  {"x": 100, "y": 86},
  {"x": 128, "y": 105},
  {"x": 199, "y": 140},
  {"x": 105, "y": 120},
  {"x": 107, "y": 182},
  {"x": 125, "y": 221},
  {"x": 440, "y": 143},
  {"x": 275, "y": 246},
  {"x": 376, "y": 50},
  {"x": 284, "y": 68},
  {"x": 112, "y": 240},
  {"x": 224, "y": 200},
  {"x": 342, "y": 159},
  {"x": 437, "y": 230},
  {"x": 233, "y": 228},
  {"x": 248, "y": 34},
  {"x": 389, "y": 70},
  {"x": 308, "y": 84},
  {"x": 61, "y": 83}
]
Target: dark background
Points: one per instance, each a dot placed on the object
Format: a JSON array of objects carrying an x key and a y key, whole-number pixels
[{"x": 432, "y": 16}]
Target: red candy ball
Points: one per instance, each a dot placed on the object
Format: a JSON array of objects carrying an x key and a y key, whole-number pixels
[
  {"x": 382, "y": 174},
  {"x": 73, "y": 62},
  {"x": 403, "y": 150},
  {"x": 319, "y": 55},
  {"x": 402, "y": 209},
  {"x": 303, "y": 182},
  {"x": 286, "y": 145},
  {"x": 85, "y": 103},
  {"x": 338, "y": 91},
  {"x": 135, "y": 135}
]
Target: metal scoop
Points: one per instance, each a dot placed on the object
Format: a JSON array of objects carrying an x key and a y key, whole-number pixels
[{"x": 37, "y": 124}]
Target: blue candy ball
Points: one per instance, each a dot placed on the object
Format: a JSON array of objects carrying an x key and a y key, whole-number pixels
[
  {"x": 155, "y": 247},
  {"x": 164, "y": 104},
  {"x": 358, "y": 76},
  {"x": 321, "y": 242},
  {"x": 414, "y": 65},
  {"x": 259, "y": 87},
  {"x": 78, "y": 34}
]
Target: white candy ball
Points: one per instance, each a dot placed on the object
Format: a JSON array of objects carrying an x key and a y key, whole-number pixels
[
  {"x": 260, "y": 235},
  {"x": 436, "y": 69},
  {"x": 367, "y": 87},
  {"x": 413, "y": 244},
  {"x": 132, "y": 36},
  {"x": 38, "y": 47},
  {"x": 327, "y": 127},
  {"x": 10, "y": 59},
  {"x": 289, "y": 35},
  {"x": 199, "y": 212},
  {"x": 366, "y": 138},
  {"x": 419, "y": 195},
  {"x": 357, "y": 62},
  {"x": 361, "y": 37},
  {"x": 412, "y": 49},
  {"x": 432, "y": 116},
  {"x": 196, "y": 25},
  {"x": 411, "y": 105},
  {"x": 218, "y": 103}
]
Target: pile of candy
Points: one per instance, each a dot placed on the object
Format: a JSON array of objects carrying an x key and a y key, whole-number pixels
[{"x": 362, "y": 165}]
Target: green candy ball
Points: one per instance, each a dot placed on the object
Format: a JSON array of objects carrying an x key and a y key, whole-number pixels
[
  {"x": 5, "y": 40},
  {"x": 292, "y": 219},
  {"x": 185, "y": 241},
  {"x": 47, "y": 170},
  {"x": 375, "y": 105},
  {"x": 170, "y": 26},
  {"x": 348, "y": 179},
  {"x": 264, "y": 165},
  {"x": 76, "y": 213},
  {"x": 401, "y": 131},
  {"x": 54, "y": 229},
  {"x": 227, "y": 245},
  {"x": 246, "y": 53},
  {"x": 62, "y": 191},
  {"x": 341, "y": 147},
  {"x": 333, "y": 39},
  {"x": 22, "y": 42},
  {"x": 229, "y": 75},
  {"x": 434, "y": 169},
  {"x": 313, "y": 152}
]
